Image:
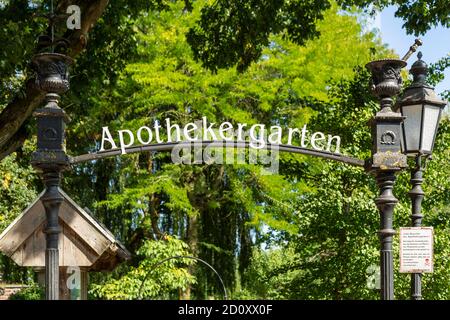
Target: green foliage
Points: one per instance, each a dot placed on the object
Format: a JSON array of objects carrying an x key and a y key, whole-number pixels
[
  {"x": 419, "y": 16},
  {"x": 269, "y": 274},
  {"x": 235, "y": 32},
  {"x": 436, "y": 74},
  {"x": 336, "y": 245},
  {"x": 17, "y": 191},
  {"x": 33, "y": 292},
  {"x": 149, "y": 279},
  {"x": 17, "y": 35},
  {"x": 242, "y": 29}
]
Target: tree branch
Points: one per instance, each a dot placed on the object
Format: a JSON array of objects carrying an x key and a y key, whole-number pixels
[{"x": 15, "y": 142}]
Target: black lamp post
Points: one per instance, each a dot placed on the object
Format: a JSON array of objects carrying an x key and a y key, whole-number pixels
[
  {"x": 422, "y": 110},
  {"x": 50, "y": 159},
  {"x": 387, "y": 159}
]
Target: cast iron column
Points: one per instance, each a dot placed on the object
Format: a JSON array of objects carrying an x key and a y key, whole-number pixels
[
  {"x": 387, "y": 159},
  {"x": 52, "y": 201},
  {"x": 386, "y": 203},
  {"x": 416, "y": 194},
  {"x": 50, "y": 158}
]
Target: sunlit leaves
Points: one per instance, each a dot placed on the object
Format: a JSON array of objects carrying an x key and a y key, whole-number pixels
[{"x": 154, "y": 277}]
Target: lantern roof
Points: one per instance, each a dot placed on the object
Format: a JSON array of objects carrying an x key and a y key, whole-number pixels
[
  {"x": 418, "y": 95},
  {"x": 84, "y": 241},
  {"x": 419, "y": 91}
]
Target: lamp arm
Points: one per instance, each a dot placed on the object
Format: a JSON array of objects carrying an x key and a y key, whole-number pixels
[{"x": 422, "y": 161}]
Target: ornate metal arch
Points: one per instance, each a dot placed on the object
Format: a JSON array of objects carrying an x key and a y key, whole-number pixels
[{"x": 235, "y": 144}]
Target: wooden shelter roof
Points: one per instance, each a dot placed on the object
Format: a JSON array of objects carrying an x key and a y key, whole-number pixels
[{"x": 84, "y": 241}]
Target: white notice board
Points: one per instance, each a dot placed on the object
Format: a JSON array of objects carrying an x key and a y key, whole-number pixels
[{"x": 416, "y": 249}]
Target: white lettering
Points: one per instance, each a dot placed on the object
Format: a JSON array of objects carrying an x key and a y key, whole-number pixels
[
  {"x": 338, "y": 143},
  {"x": 169, "y": 131},
  {"x": 150, "y": 135},
  {"x": 261, "y": 142},
  {"x": 317, "y": 136},
  {"x": 278, "y": 132},
  {"x": 304, "y": 131},
  {"x": 224, "y": 127},
  {"x": 124, "y": 145},
  {"x": 208, "y": 129},
  {"x": 239, "y": 131},
  {"x": 188, "y": 128},
  {"x": 157, "y": 127},
  {"x": 105, "y": 132},
  {"x": 74, "y": 280},
  {"x": 291, "y": 133},
  {"x": 256, "y": 135}
]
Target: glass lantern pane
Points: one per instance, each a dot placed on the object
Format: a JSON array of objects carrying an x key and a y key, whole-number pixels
[
  {"x": 430, "y": 118},
  {"x": 412, "y": 125}
]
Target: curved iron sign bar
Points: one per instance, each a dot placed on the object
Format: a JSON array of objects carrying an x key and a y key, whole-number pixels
[
  {"x": 182, "y": 257},
  {"x": 235, "y": 144}
]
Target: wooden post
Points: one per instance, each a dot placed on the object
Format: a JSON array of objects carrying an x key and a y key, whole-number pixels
[{"x": 84, "y": 284}]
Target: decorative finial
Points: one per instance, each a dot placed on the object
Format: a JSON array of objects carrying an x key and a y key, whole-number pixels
[{"x": 419, "y": 70}]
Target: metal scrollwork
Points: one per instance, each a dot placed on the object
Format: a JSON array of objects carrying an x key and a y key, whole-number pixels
[
  {"x": 50, "y": 134},
  {"x": 388, "y": 138}
]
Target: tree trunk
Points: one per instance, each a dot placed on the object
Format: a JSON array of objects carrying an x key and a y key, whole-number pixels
[
  {"x": 154, "y": 216},
  {"x": 192, "y": 241}
]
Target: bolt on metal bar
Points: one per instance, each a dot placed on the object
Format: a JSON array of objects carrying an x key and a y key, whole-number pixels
[{"x": 412, "y": 49}]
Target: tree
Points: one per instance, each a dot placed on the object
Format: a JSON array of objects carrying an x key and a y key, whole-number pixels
[
  {"x": 334, "y": 252},
  {"x": 419, "y": 16},
  {"x": 139, "y": 67},
  {"x": 228, "y": 33},
  {"x": 214, "y": 208}
]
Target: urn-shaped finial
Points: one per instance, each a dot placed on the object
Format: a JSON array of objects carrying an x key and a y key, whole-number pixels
[
  {"x": 386, "y": 79},
  {"x": 52, "y": 70}
]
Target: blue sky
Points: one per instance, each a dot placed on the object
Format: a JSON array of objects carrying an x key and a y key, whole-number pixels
[{"x": 436, "y": 42}]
